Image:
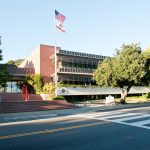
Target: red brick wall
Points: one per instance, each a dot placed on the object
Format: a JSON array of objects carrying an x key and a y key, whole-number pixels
[{"x": 46, "y": 66}]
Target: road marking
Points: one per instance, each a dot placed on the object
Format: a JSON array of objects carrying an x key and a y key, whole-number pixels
[
  {"x": 97, "y": 114},
  {"x": 131, "y": 118},
  {"x": 141, "y": 123},
  {"x": 29, "y": 117},
  {"x": 114, "y": 116},
  {"x": 50, "y": 131},
  {"x": 121, "y": 118}
]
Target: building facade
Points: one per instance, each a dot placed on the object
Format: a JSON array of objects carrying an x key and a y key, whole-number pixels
[{"x": 72, "y": 67}]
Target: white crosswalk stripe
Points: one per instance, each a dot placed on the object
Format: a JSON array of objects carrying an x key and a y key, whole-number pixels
[
  {"x": 132, "y": 119},
  {"x": 141, "y": 123}
]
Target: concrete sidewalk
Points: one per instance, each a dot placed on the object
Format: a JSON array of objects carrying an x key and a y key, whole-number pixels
[{"x": 26, "y": 116}]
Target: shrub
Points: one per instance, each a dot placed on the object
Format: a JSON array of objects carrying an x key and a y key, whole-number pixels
[
  {"x": 49, "y": 88},
  {"x": 36, "y": 81},
  {"x": 59, "y": 98},
  {"x": 147, "y": 95}
]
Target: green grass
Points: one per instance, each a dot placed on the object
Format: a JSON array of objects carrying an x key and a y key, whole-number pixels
[{"x": 135, "y": 99}]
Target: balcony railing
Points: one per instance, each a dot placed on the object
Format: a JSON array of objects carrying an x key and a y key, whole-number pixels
[
  {"x": 65, "y": 52},
  {"x": 75, "y": 71}
]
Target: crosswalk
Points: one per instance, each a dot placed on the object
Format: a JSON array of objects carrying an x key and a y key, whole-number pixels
[{"x": 132, "y": 119}]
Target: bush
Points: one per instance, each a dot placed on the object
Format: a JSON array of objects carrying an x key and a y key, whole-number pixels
[
  {"x": 49, "y": 88},
  {"x": 59, "y": 98},
  {"x": 147, "y": 95}
]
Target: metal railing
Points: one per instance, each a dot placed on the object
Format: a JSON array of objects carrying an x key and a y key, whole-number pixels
[{"x": 75, "y": 70}]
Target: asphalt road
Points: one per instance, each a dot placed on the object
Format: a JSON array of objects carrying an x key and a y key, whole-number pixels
[{"x": 116, "y": 130}]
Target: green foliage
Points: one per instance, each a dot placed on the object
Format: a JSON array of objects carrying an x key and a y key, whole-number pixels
[
  {"x": 127, "y": 68},
  {"x": 15, "y": 62},
  {"x": 49, "y": 88},
  {"x": 11, "y": 62},
  {"x": 60, "y": 84},
  {"x": 1, "y": 56},
  {"x": 147, "y": 52},
  {"x": 58, "y": 98},
  {"x": 147, "y": 95},
  {"x": 4, "y": 75},
  {"x": 147, "y": 56},
  {"x": 36, "y": 81},
  {"x": 103, "y": 73}
]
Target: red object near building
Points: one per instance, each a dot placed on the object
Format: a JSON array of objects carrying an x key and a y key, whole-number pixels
[{"x": 25, "y": 92}]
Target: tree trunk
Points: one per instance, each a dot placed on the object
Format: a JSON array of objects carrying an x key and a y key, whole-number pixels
[{"x": 124, "y": 94}]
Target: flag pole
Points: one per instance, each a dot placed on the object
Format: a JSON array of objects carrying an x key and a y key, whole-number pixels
[{"x": 55, "y": 57}]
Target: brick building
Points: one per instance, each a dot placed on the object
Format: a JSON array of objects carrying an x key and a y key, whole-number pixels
[{"x": 72, "y": 67}]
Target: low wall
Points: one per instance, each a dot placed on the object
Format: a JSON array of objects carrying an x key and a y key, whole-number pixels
[
  {"x": 17, "y": 97},
  {"x": 72, "y": 91}
]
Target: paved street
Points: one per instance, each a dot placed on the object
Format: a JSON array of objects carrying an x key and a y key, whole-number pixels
[{"x": 97, "y": 130}]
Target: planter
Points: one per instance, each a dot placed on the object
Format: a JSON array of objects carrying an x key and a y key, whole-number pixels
[{"x": 45, "y": 96}]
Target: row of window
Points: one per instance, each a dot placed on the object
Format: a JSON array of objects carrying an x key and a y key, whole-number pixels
[
  {"x": 81, "y": 54},
  {"x": 79, "y": 65},
  {"x": 76, "y": 70},
  {"x": 75, "y": 78},
  {"x": 11, "y": 87}
]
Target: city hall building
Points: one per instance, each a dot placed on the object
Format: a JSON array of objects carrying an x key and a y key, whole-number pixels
[{"x": 72, "y": 67}]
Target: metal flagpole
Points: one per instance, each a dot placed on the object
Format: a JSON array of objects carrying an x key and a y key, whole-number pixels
[{"x": 55, "y": 49}]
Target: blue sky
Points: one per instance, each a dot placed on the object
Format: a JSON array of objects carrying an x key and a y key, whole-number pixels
[{"x": 92, "y": 26}]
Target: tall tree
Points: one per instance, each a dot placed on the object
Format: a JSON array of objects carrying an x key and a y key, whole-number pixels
[
  {"x": 125, "y": 69},
  {"x": 4, "y": 75},
  {"x": 147, "y": 56}
]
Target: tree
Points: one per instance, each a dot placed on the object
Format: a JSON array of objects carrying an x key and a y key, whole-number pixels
[
  {"x": 15, "y": 62},
  {"x": 4, "y": 75},
  {"x": 1, "y": 56},
  {"x": 147, "y": 56},
  {"x": 36, "y": 81},
  {"x": 49, "y": 88},
  {"x": 125, "y": 69},
  {"x": 11, "y": 62}
]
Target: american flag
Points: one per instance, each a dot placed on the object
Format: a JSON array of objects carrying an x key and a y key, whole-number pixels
[{"x": 59, "y": 16}]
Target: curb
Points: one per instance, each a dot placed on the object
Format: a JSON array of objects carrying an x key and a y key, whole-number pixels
[{"x": 13, "y": 118}]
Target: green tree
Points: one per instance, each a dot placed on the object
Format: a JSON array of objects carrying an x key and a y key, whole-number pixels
[
  {"x": 49, "y": 88},
  {"x": 15, "y": 62},
  {"x": 147, "y": 51},
  {"x": 1, "y": 56},
  {"x": 125, "y": 69},
  {"x": 147, "y": 56},
  {"x": 12, "y": 62},
  {"x": 18, "y": 62},
  {"x": 4, "y": 75},
  {"x": 36, "y": 81}
]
